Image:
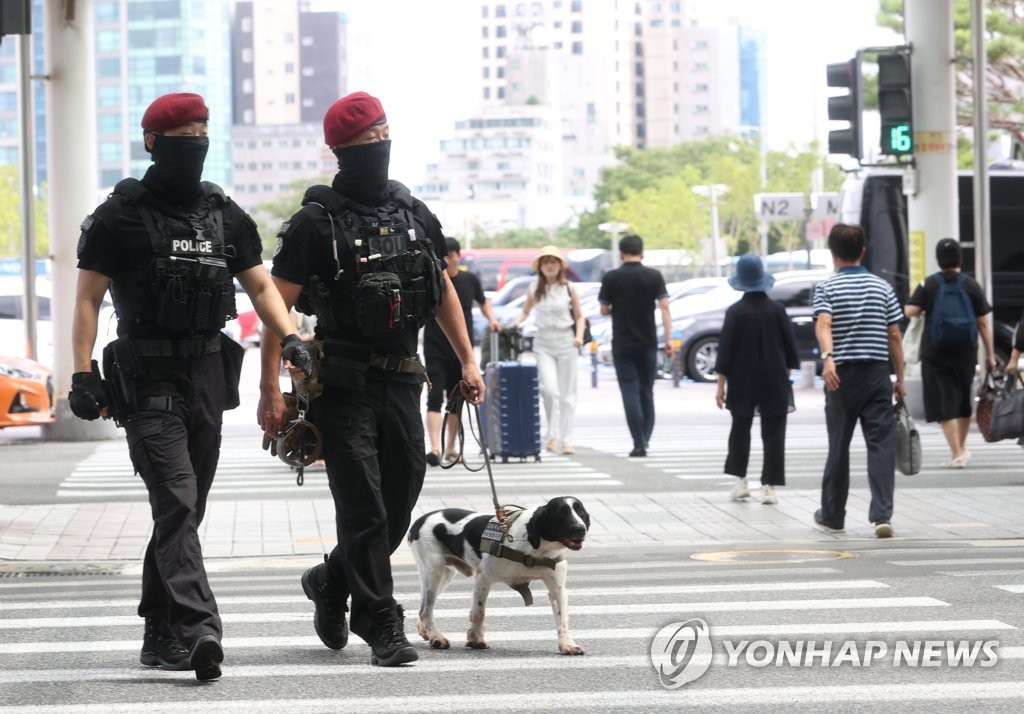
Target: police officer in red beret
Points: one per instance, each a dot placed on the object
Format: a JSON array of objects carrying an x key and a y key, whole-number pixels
[
  {"x": 364, "y": 256},
  {"x": 168, "y": 247}
]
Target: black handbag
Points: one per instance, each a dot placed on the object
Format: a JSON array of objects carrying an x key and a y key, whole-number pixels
[{"x": 1008, "y": 411}]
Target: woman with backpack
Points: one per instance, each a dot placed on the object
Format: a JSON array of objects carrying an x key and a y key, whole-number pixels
[
  {"x": 956, "y": 314},
  {"x": 560, "y": 328}
]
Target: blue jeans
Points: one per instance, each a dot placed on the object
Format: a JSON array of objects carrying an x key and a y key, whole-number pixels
[{"x": 636, "y": 371}]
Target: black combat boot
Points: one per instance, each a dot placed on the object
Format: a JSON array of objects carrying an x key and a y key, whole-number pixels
[
  {"x": 387, "y": 635},
  {"x": 206, "y": 657},
  {"x": 329, "y": 618},
  {"x": 161, "y": 649}
]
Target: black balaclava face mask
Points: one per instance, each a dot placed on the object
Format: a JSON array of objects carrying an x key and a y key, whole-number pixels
[
  {"x": 363, "y": 171},
  {"x": 178, "y": 166}
]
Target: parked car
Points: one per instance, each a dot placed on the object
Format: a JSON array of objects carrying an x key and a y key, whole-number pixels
[
  {"x": 698, "y": 332},
  {"x": 26, "y": 393},
  {"x": 12, "y": 321},
  {"x": 697, "y": 325}
]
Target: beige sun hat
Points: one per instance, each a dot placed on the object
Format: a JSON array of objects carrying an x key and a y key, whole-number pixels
[{"x": 549, "y": 251}]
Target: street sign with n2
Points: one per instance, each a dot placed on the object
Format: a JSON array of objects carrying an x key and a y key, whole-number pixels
[{"x": 779, "y": 206}]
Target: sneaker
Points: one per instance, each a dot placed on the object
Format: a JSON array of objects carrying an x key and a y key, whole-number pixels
[
  {"x": 329, "y": 618},
  {"x": 768, "y": 496},
  {"x": 161, "y": 649},
  {"x": 638, "y": 452},
  {"x": 740, "y": 490},
  {"x": 433, "y": 459},
  {"x": 205, "y": 658},
  {"x": 883, "y": 530},
  {"x": 387, "y": 636},
  {"x": 552, "y": 445},
  {"x": 820, "y": 520}
]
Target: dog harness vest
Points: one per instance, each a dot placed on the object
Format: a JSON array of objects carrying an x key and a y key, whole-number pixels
[{"x": 492, "y": 542}]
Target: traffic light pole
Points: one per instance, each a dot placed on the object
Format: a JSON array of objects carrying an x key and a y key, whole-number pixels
[
  {"x": 932, "y": 205},
  {"x": 932, "y": 211}
]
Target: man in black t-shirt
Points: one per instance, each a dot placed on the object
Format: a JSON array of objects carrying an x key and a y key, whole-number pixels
[
  {"x": 629, "y": 294},
  {"x": 362, "y": 254},
  {"x": 443, "y": 367},
  {"x": 947, "y": 371}
]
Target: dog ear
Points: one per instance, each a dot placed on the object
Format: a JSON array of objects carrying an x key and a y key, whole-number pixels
[
  {"x": 581, "y": 512},
  {"x": 533, "y": 528}
]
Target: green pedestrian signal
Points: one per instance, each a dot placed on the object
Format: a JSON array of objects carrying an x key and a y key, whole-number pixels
[
  {"x": 900, "y": 140},
  {"x": 895, "y": 108}
]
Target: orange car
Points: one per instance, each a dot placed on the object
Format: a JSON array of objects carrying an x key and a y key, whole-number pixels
[{"x": 26, "y": 393}]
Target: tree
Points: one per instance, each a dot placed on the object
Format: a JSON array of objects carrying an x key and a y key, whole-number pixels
[
  {"x": 651, "y": 190},
  {"x": 270, "y": 215},
  {"x": 10, "y": 215},
  {"x": 1004, "y": 22}
]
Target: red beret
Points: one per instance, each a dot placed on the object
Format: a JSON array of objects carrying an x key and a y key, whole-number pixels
[
  {"x": 173, "y": 110},
  {"x": 350, "y": 116}
]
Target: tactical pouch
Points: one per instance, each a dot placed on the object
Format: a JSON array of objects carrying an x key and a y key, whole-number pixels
[
  {"x": 344, "y": 365},
  {"x": 172, "y": 310},
  {"x": 231, "y": 356},
  {"x": 378, "y": 299}
]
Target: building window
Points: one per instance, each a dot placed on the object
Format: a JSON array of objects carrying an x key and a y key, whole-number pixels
[
  {"x": 577, "y": 48},
  {"x": 501, "y": 72},
  {"x": 106, "y": 12},
  {"x": 577, "y": 27},
  {"x": 289, "y": 68},
  {"x": 486, "y": 53},
  {"x": 499, "y": 11},
  {"x": 576, "y": 6},
  {"x": 487, "y": 92},
  {"x": 306, "y": 41},
  {"x": 487, "y": 72},
  {"x": 500, "y": 31},
  {"x": 108, "y": 41},
  {"x": 307, "y": 71},
  {"x": 109, "y": 177},
  {"x": 109, "y": 124},
  {"x": 499, "y": 52},
  {"x": 501, "y": 92},
  {"x": 486, "y": 32},
  {"x": 111, "y": 151},
  {"x": 107, "y": 68},
  {"x": 168, "y": 65},
  {"x": 247, "y": 54},
  {"x": 289, "y": 98}
]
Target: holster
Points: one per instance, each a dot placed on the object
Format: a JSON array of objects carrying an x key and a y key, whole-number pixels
[
  {"x": 121, "y": 365},
  {"x": 231, "y": 356}
]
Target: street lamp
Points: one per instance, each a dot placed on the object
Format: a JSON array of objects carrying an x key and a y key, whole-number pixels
[
  {"x": 713, "y": 191},
  {"x": 614, "y": 229}
]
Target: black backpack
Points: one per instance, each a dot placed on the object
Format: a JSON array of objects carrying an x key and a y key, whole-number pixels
[{"x": 953, "y": 319}]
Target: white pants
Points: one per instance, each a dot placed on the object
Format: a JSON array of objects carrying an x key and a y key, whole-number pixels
[{"x": 557, "y": 368}]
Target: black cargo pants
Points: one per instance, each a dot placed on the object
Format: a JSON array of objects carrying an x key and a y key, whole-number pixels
[
  {"x": 176, "y": 453},
  {"x": 373, "y": 449}
]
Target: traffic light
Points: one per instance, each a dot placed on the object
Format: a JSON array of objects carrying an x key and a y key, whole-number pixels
[
  {"x": 894, "y": 106},
  {"x": 845, "y": 107}
]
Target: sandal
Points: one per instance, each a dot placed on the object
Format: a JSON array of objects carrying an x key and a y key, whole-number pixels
[{"x": 452, "y": 458}]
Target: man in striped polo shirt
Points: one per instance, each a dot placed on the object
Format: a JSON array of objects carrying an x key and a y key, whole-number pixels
[{"x": 857, "y": 325}]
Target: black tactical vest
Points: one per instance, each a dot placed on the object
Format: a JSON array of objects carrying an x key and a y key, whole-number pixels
[
  {"x": 385, "y": 275},
  {"x": 187, "y": 287}
]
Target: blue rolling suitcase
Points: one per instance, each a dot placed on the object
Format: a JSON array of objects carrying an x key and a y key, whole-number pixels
[{"x": 511, "y": 412}]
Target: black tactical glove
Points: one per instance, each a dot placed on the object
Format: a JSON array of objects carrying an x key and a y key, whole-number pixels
[
  {"x": 86, "y": 397},
  {"x": 295, "y": 352}
]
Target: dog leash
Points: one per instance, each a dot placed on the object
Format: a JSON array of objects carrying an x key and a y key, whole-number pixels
[{"x": 456, "y": 401}]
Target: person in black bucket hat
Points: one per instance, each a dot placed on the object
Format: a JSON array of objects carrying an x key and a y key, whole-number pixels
[{"x": 756, "y": 352}]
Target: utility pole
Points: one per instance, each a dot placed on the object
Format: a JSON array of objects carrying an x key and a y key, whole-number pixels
[
  {"x": 982, "y": 199},
  {"x": 71, "y": 142},
  {"x": 932, "y": 210}
]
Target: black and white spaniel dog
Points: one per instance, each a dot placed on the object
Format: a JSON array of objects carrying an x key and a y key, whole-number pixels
[{"x": 532, "y": 547}]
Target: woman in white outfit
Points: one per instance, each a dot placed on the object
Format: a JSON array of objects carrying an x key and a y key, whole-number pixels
[{"x": 556, "y": 345}]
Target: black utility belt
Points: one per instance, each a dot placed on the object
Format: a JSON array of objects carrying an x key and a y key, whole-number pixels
[{"x": 181, "y": 347}]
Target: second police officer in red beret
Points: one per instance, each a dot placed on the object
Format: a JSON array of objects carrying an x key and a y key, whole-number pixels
[
  {"x": 363, "y": 255},
  {"x": 168, "y": 247}
]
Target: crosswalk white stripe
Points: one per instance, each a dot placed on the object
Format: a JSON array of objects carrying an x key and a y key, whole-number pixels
[
  {"x": 964, "y": 561},
  {"x": 905, "y": 628},
  {"x": 1016, "y": 589},
  {"x": 666, "y": 609},
  {"x": 653, "y": 699},
  {"x": 499, "y": 594},
  {"x": 579, "y": 575}
]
